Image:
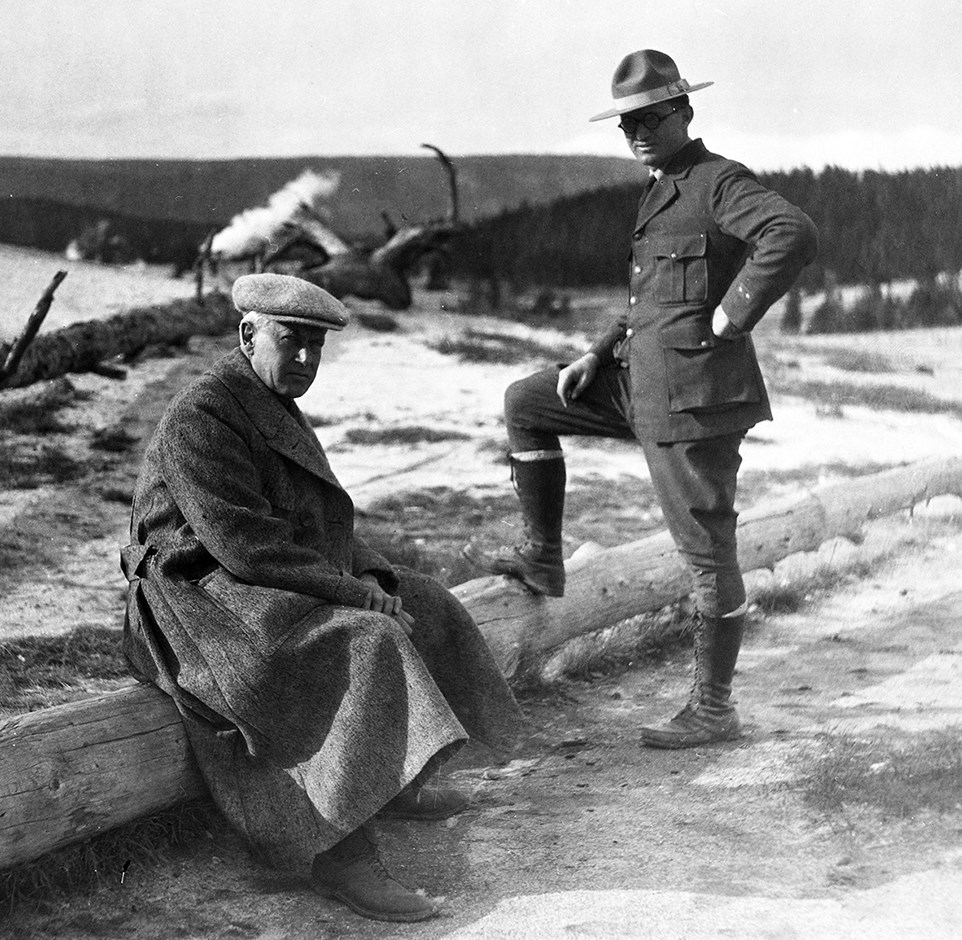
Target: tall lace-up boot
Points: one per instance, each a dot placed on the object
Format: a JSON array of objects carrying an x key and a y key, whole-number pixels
[
  {"x": 709, "y": 715},
  {"x": 352, "y": 872},
  {"x": 537, "y": 561}
]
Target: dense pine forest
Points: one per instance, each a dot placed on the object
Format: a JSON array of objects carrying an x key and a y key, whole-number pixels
[{"x": 874, "y": 227}]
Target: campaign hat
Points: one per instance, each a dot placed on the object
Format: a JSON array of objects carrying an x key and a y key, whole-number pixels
[{"x": 644, "y": 78}]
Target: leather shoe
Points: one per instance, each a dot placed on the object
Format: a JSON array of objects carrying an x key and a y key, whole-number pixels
[{"x": 352, "y": 872}]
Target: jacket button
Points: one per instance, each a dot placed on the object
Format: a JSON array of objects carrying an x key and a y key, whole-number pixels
[
  {"x": 637, "y": 236},
  {"x": 674, "y": 254},
  {"x": 632, "y": 300},
  {"x": 629, "y": 333},
  {"x": 637, "y": 269},
  {"x": 705, "y": 342}
]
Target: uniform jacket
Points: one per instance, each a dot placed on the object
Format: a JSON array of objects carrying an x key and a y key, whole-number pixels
[
  {"x": 707, "y": 234},
  {"x": 244, "y": 606}
]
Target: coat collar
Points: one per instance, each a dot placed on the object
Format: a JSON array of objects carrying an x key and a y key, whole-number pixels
[
  {"x": 665, "y": 190},
  {"x": 285, "y": 429}
]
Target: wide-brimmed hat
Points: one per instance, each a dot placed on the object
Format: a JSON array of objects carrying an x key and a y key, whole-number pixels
[
  {"x": 645, "y": 78},
  {"x": 290, "y": 300}
]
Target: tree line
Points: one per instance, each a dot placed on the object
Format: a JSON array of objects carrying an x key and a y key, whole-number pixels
[{"x": 874, "y": 227}]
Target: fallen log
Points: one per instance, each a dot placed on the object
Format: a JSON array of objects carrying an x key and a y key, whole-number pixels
[
  {"x": 644, "y": 576},
  {"x": 82, "y": 347},
  {"x": 70, "y": 772}
]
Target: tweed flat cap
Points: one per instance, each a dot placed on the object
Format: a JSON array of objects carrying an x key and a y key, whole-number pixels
[{"x": 290, "y": 300}]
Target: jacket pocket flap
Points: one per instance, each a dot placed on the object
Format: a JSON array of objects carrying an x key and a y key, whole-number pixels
[
  {"x": 691, "y": 333},
  {"x": 680, "y": 246}
]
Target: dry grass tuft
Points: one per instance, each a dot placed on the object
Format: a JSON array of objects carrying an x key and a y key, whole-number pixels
[
  {"x": 402, "y": 434},
  {"x": 40, "y": 671},
  {"x": 896, "y": 774},
  {"x": 105, "y": 858},
  {"x": 482, "y": 346}
]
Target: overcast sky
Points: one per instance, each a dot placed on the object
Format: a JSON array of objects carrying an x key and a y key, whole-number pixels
[{"x": 871, "y": 84}]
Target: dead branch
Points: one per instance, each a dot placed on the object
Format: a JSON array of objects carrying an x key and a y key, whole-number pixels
[{"x": 33, "y": 324}]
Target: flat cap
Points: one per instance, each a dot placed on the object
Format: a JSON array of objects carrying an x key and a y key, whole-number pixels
[{"x": 290, "y": 300}]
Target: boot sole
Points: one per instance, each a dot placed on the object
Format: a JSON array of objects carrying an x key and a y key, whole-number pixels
[
  {"x": 401, "y": 917},
  {"x": 547, "y": 589},
  {"x": 669, "y": 742}
]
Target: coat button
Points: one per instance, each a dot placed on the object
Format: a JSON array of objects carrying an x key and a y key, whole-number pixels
[
  {"x": 637, "y": 269},
  {"x": 705, "y": 342},
  {"x": 632, "y": 300},
  {"x": 629, "y": 333},
  {"x": 674, "y": 254},
  {"x": 637, "y": 236}
]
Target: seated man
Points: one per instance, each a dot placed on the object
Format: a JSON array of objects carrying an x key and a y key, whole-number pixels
[{"x": 319, "y": 685}]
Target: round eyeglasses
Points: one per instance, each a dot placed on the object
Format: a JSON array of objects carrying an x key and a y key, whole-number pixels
[{"x": 650, "y": 121}]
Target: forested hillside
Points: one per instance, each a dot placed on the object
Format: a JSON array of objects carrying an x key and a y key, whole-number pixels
[
  {"x": 874, "y": 227},
  {"x": 205, "y": 193}
]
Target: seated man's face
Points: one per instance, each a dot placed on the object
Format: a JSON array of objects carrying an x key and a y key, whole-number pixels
[{"x": 286, "y": 356}]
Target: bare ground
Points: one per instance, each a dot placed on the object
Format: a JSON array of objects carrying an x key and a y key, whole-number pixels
[{"x": 584, "y": 833}]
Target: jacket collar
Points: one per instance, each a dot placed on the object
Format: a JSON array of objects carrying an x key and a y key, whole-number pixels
[
  {"x": 665, "y": 191},
  {"x": 285, "y": 429}
]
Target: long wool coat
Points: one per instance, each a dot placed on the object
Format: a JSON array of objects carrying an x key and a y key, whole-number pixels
[
  {"x": 243, "y": 605},
  {"x": 707, "y": 234}
]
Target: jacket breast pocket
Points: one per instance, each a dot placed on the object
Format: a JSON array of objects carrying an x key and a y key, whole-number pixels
[
  {"x": 681, "y": 269},
  {"x": 706, "y": 373}
]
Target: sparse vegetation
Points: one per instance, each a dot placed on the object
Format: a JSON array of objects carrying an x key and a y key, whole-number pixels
[
  {"x": 835, "y": 395},
  {"x": 858, "y": 360},
  {"x": 377, "y": 322},
  {"x": 897, "y": 774},
  {"x": 27, "y": 467},
  {"x": 39, "y": 671},
  {"x": 404, "y": 434},
  {"x": 106, "y": 858},
  {"x": 481, "y": 346}
]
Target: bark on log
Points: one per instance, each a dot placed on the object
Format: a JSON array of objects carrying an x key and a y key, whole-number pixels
[
  {"x": 81, "y": 347},
  {"x": 69, "y": 772}
]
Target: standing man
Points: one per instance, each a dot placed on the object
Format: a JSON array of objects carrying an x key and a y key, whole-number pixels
[
  {"x": 711, "y": 251},
  {"x": 318, "y": 684}
]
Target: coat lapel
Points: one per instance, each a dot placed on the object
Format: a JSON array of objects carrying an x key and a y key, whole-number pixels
[
  {"x": 665, "y": 191},
  {"x": 286, "y": 432}
]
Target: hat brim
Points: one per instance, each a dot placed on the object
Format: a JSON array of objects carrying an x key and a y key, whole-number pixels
[
  {"x": 636, "y": 102},
  {"x": 307, "y": 321}
]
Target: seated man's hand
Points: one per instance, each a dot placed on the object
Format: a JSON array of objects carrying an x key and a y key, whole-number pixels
[
  {"x": 573, "y": 379},
  {"x": 381, "y": 602}
]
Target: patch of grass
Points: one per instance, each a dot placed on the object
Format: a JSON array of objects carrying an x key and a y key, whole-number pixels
[
  {"x": 879, "y": 397},
  {"x": 403, "y": 434},
  {"x": 481, "y": 346},
  {"x": 788, "y": 597},
  {"x": 115, "y": 439},
  {"x": 41, "y": 884},
  {"x": 646, "y": 638},
  {"x": 25, "y": 465},
  {"x": 38, "y": 669},
  {"x": 897, "y": 774},
  {"x": 426, "y": 529},
  {"x": 378, "y": 322},
  {"x": 25, "y": 411},
  {"x": 857, "y": 360}
]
